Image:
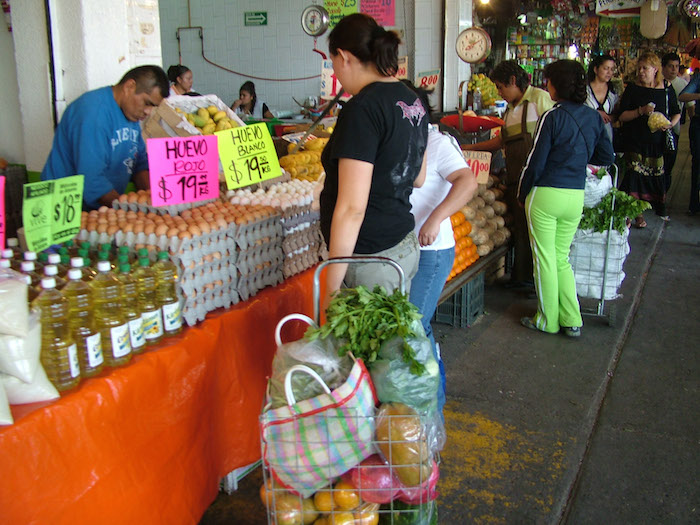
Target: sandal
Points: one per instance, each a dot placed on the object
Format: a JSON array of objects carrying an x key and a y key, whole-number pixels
[{"x": 640, "y": 223}]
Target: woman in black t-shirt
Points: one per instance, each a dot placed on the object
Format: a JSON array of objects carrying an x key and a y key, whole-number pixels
[{"x": 373, "y": 159}]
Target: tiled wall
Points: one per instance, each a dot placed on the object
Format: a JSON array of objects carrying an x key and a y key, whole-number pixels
[{"x": 280, "y": 50}]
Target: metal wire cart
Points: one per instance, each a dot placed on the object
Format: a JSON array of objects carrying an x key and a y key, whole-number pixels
[{"x": 339, "y": 458}]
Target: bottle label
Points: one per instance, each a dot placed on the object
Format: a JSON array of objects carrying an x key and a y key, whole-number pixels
[
  {"x": 120, "y": 341},
  {"x": 73, "y": 360},
  {"x": 94, "y": 350},
  {"x": 152, "y": 324},
  {"x": 136, "y": 332},
  {"x": 172, "y": 316}
]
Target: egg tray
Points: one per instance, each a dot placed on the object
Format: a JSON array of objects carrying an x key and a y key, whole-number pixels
[
  {"x": 251, "y": 260},
  {"x": 196, "y": 308},
  {"x": 306, "y": 215},
  {"x": 298, "y": 262},
  {"x": 175, "y": 209},
  {"x": 310, "y": 234},
  {"x": 215, "y": 273}
]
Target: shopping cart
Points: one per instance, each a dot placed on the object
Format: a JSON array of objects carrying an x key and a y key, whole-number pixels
[
  {"x": 597, "y": 260},
  {"x": 366, "y": 490}
]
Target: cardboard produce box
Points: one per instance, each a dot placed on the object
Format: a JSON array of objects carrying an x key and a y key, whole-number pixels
[{"x": 164, "y": 121}]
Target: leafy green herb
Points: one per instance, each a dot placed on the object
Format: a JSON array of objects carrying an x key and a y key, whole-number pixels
[
  {"x": 364, "y": 320},
  {"x": 626, "y": 206}
]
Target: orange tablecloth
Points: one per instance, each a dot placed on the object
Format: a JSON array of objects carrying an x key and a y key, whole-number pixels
[{"x": 148, "y": 443}]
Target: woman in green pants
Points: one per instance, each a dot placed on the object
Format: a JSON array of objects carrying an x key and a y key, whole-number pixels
[{"x": 567, "y": 138}]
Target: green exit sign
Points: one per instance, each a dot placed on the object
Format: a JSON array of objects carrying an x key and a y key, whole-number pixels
[{"x": 255, "y": 18}]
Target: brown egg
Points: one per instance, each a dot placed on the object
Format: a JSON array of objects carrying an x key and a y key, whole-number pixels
[
  {"x": 149, "y": 228},
  {"x": 112, "y": 229},
  {"x": 184, "y": 235},
  {"x": 138, "y": 246},
  {"x": 91, "y": 226},
  {"x": 138, "y": 226},
  {"x": 123, "y": 198},
  {"x": 186, "y": 214},
  {"x": 143, "y": 199},
  {"x": 132, "y": 198},
  {"x": 101, "y": 228},
  {"x": 127, "y": 227},
  {"x": 195, "y": 231},
  {"x": 131, "y": 215},
  {"x": 204, "y": 226},
  {"x": 208, "y": 258},
  {"x": 161, "y": 229},
  {"x": 173, "y": 232},
  {"x": 183, "y": 226},
  {"x": 152, "y": 215}
]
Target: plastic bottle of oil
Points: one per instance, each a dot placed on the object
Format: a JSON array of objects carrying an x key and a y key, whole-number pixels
[
  {"x": 5, "y": 263},
  {"x": 32, "y": 257},
  {"x": 81, "y": 322},
  {"x": 166, "y": 295},
  {"x": 32, "y": 292},
  {"x": 13, "y": 244},
  {"x": 109, "y": 318},
  {"x": 130, "y": 306},
  {"x": 28, "y": 268},
  {"x": 150, "y": 311},
  {"x": 59, "y": 354}
]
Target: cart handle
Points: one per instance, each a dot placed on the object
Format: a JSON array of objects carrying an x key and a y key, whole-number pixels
[
  {"x": 290, "y": 317},
  {"x": 351, "y": 260}
]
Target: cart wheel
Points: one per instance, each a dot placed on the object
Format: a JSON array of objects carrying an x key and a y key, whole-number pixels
[{"x": 612, "y": 314}]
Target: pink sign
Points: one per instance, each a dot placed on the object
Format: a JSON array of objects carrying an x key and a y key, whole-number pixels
[
  {"x": 183, "y": 169},
  {"x": 2, "y": 213},
  {"x": 383, "y": 11}
]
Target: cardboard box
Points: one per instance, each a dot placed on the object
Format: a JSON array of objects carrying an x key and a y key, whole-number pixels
[{"x": 164, "y": 121}]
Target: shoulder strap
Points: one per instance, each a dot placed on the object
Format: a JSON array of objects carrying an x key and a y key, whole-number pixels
[
  {"x": 523, "y": 119},
  {"x": 579, "y": 128}
]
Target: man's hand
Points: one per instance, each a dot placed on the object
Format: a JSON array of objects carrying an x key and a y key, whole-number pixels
[{"x": 141, "y": 180}]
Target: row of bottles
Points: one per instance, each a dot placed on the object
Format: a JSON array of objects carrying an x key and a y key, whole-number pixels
[{"x": 96, "y": 318}]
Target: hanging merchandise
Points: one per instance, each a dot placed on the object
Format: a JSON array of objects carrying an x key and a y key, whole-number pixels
[{"x": 653, "y": 19}]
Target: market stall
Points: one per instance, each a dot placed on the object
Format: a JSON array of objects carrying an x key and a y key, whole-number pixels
[{"x": 148, "y": 443}]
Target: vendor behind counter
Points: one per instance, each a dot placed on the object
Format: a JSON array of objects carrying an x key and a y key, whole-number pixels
[{"x": 99, "y": 136}]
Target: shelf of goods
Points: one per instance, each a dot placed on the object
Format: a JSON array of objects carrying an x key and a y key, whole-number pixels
[{"x": 149, "y": 442}]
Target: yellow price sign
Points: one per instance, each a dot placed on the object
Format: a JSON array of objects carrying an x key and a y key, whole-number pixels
[{"x": 247, "y": 155}]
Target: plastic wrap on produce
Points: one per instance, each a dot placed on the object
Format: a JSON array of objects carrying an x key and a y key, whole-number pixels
[{"x": 588, "y": 258}]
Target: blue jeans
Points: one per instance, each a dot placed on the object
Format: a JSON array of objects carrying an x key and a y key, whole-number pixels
[
  {"x": 694, "y": 135},
  {"x": 433, "y": 269}
]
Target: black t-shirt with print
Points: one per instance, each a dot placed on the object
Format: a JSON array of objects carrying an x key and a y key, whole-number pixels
[{"x": 386, "y": 125}]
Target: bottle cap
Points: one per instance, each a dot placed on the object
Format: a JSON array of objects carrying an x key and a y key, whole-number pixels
[
  {"x": 104, "y": 266},
  {"x": 12, "y": 242},
  {"x": 62, "y": 250},
  {"x": 143, "y": 261},
  {"x": 4, "y": 263},
  {"x": 69, "y": 243},
  {"x": 75, "y": 274},
  {"x": 48, "y": 282},
  {"x": 125, "y": 268},
  {"x": 105, "y": 247},
  {"x": 54, "y": 258},
  {"x": 50, "y": 270},
  {"x": 27, "y": 266},
  {"x": 43, "y": 257},
  {"x": 7, "y": 253},
  {"x": 124, "y": 250},
  {"x": 162, "y": 256},
  {"x": 85, "y": 245},
  {"x": 103, "y": 256},
  {"x": 30, "y": 256},
  {"x": 65, "y": 259},
  {"x": 143, "y": 252}
]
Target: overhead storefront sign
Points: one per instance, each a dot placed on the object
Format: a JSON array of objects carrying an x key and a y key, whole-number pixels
[{"x": 618, "y": 8}]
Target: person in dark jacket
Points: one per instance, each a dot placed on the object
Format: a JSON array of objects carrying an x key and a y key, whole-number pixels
[{"x": 567, "y": 138}]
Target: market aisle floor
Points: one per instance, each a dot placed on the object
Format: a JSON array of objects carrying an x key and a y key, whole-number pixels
[{"x": 545, "y": 429}]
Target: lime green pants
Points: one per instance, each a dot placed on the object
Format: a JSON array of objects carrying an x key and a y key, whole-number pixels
[{"x": 553, "y": 215}]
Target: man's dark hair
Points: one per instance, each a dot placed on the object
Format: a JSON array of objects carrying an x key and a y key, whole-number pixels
[
  {"x": 510, "y": 68},
  {"x": 669, "y": 57},
  {"x": 147, "y": 78},
  {"x": 568, "y": 78}
]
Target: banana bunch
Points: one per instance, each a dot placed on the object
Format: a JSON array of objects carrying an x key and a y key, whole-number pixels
[
  {"x": 489, "y": 92},
  {"x": 306, "y": 163},
  {"x": 208, "y": 120}
]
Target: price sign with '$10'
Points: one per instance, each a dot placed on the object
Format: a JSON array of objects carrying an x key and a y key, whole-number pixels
[
  {"x": 480, "y": 164},
  {"x": 183, "y": 169}
]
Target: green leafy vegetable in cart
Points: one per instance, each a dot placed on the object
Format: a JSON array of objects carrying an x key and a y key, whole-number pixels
[
  {"x": 364, "y": 319},
  {"x": 598, "y": 217}
]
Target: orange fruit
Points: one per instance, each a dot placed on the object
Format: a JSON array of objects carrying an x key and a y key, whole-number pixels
[
  {"x": 323, "y": 501},
  {"x": 467, "y": 227},
  {"x": 345, "y": 496},
  {"x": 341, "y": 518}
]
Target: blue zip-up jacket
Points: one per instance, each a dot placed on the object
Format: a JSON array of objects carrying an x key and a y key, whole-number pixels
[{"x": 567, "y": 138}]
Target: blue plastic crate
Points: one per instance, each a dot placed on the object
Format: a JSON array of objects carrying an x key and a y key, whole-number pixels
[{"x": 464, "y": 307}]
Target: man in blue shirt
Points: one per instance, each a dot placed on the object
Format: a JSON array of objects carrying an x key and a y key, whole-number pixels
[
  {"x": 99, "y": 136},
  {"x": 690, "y": 93}
]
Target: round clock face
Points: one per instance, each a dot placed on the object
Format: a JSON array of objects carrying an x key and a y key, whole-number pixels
[
  {"x": 314, "y": 20},
  {"x": 473, "y": 45}
]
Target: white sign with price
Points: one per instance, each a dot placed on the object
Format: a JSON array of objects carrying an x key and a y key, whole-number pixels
[
  {"x": 402, "y": 72},
  {"x": 428, "y": 79},
  {"x": 480, "y": 164},
  {"x": 329, "y": 82}
]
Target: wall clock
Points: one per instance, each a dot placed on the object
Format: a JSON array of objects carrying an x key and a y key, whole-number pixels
[{"x": 473, "y": 45}]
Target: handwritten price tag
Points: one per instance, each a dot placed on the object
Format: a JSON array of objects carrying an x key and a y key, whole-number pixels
[
  {"x": 248, "y": 155},
  {"x": 183, "y": 169},
  {"x": 330, "y": 86},
  {"x": 428, "y": 79},
  {"x": 2, "y": 212},
  {"x": 480, "y": 164},
  {"x": 383, "y": 11},
  {"x": 402, "y": 72},
  {"x": 67, "y": 204},
  {"x": 337, "y": 9}
]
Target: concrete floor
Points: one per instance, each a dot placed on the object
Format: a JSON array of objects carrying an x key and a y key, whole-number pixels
[{"x": 545, "y": 429}]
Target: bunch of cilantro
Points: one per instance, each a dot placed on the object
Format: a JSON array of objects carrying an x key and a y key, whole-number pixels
[
  {"x": 598, "y": 217},
  {"x": 362, "y": 321}
]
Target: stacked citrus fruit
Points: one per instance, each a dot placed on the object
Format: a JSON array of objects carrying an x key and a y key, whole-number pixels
[{"x": 465, "y": 249}]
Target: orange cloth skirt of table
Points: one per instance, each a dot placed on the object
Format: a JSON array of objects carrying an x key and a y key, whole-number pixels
[{"x": 148, "y": 443}]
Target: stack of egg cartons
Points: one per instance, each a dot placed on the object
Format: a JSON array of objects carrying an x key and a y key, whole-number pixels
[{"x": 303, "y": 244}]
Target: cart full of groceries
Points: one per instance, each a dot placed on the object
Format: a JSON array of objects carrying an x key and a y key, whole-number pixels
[{"x": 351, "y": 433}]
